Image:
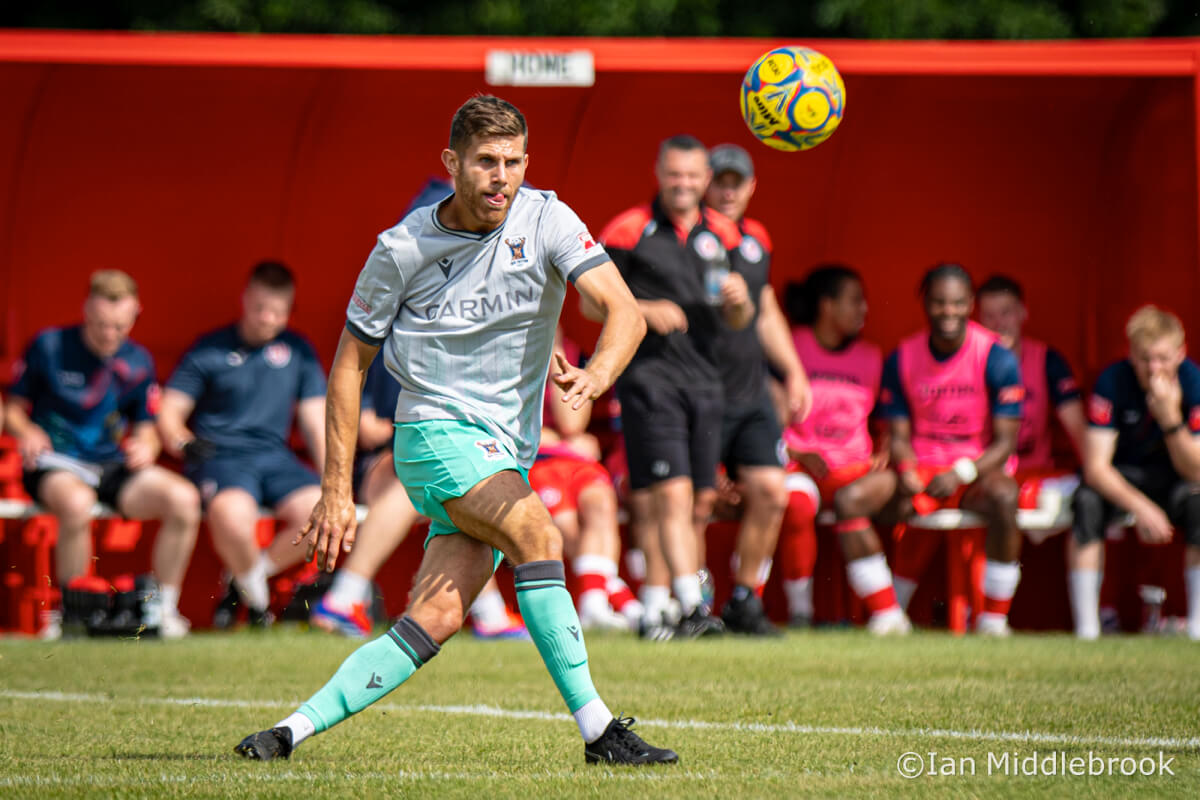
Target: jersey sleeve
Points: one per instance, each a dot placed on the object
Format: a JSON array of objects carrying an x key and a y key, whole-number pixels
[
  {"x": 30, "y": 372},
  {"x": 1101, "y": 410},
  {"x": 189, "y": 376},
  {"x": 1003, "y": 377},
  {"x": 1189, "y": 383},
  {"x": 1060, "y": 379},
  {"x": 378, "y": 294},
  {"x": 892, "y": 402},
  {"x": 567, "y": 242},
  {"x": 312, "y": 375}
]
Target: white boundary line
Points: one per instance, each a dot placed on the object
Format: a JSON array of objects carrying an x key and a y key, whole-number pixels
[{"x": 1028, "y": 737}]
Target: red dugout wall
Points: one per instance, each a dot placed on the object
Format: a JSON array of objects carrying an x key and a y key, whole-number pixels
[{"x": 185, "y": 158}]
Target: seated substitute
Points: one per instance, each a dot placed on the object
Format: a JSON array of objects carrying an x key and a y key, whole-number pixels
[
  {"x": 238, "y": 388},
  {"x": 1049, "y": 386},
  {"x": 952, "y": 394},
  {"x": 82, "y": 411},
  {"x": 1141, "y": 456}
]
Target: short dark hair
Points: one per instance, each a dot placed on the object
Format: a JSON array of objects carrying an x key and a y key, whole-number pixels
[
  {"x": 272, "y": 275},
  {"x": 1001, "y": 284},
  {"x": 681, "y": 141},
  {"x": 946, "y": 269},
  {"x": 802, "y": 301},
  {"x": 485, "y": 115}
]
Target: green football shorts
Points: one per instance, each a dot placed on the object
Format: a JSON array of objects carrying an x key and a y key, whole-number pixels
[{"x": 441, "y": 459}]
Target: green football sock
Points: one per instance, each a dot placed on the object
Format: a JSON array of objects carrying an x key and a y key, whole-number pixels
[
  {"x": 550, "y": 616},
  {"x": 370, "y": 672}
]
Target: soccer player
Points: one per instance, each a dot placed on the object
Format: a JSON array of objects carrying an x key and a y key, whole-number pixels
[
  {"x": 952, "y": 395},
  {"x": 1141, "y": 456},
  {"x": 241, "y": 385},
  {"x": 682, "y": 263},
  {"x": 750, "y": 432},
  {"x": 833, "y": 447},
  {"x": 1049, "y": 382},
  {"x": 464, "y": 296},
  {"x": 390, "y": 515},
  {"x": 82, "y": 411}
]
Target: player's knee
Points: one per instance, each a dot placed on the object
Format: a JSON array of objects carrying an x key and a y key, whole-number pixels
[
  {"x": 1088, "y": 510},
  {"x": 1003, "y": 495},
  {"x": 848, "y": 501},
  {"x": 183, "y": 502},
  {"x": 75, "y": 506},
  {"x": 702, "y": 506},
  {"x": 770, "y": 491},
  {"x": 544, "y": 543},
  {"x": 231, "y": 520}
]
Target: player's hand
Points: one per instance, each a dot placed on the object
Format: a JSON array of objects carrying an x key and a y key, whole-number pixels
[
  {"x": 579, "y": 386},
  {"x": 880, "y": 460},
  {"x": 139, "y": 453},
  {"x": 663, "y": 316},
  {"x": 812, "y": 463},
  {"x": 1164, "y": 399},
  {"x": 331, "y": 527},
  {"x": 33, "y": 444},
  {"x": 1151, "y": 524},
  {"x": 734, "y": 291},
  {"x": 197, "y": 450},
  {"x": 799, "y": 395},
  {"x": 910, "y": 481},
  {"x": 943, "y": 485}
]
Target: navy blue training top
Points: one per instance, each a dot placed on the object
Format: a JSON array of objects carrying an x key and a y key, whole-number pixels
[
  {"x": 246, "y": 396},
  {"x": 83, "y": 402},
  {"x": 1118, "y": 403}
]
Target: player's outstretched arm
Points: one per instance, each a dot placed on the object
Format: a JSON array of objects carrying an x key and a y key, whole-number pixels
[
  {"x": 332, "y": 524},
  {"x": 623, "y": 330},
  {"x": 777, "y": 343},
  {"x": 1099, "y": 446}
]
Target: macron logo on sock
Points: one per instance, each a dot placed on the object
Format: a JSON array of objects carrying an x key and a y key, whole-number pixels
[{"x": 374, "y": 682}]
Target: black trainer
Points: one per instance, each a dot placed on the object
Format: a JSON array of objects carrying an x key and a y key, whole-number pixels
[
  {"x": 225, "y": 614},
  {"x": 747, "y": 616},
  {"x": 699, "y": 623},
  {"x": 620, "y": 745},
  {"x": 266, "y": 745}
]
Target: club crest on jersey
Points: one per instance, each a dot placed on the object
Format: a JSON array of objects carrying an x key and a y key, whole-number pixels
[
  {"x": 707, "y": 245},
  {"x": 586, "y": 240},
  {"x": 278, "y": 354},
  {"x": 235, "y": 358},
  {"x": 516, "y": 246},
  {"x": 750, "y": 249},
  {"x": 444, "y": 265},
  {"x": 491, "y": 449}
]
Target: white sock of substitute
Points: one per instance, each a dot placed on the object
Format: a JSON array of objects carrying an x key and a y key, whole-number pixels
[
  {"x": 592, "y": 573},
  {"x": 253, "y": 585},
  {"x": 489, "y": 610},
  {"x": 656, "y": 600},
  {"x": 1192, "y": 577},
  {"x": 1000, "y": 581},
  {"x": 348, "y": 589},
  {"x": 170, "y": 598},
  {"x": 871, "y": 581},
  {"x": 687, "y": 592},
  {"x": 1085, "y": 602},
  {"x": 301, "y": 727},
  {"x": 799, "y": 597},
  {"x": 592, "y": 718},
  {"x": 905, "y": 589}
]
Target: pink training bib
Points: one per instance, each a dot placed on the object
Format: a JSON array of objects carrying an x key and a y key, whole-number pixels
[
  {"x": 948, "y": 400},
  {"x": 845, "y": 385}
]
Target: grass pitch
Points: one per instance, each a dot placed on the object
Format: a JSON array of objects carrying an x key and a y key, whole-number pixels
[{"x": 824, "y": 714}]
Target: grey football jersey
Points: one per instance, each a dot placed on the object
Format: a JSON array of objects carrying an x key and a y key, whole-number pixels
[{"x": 467, "y": 320}]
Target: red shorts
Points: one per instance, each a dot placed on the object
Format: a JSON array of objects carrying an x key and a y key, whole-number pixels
[
  {"x": 836, "y": 478},
  {"x": 923, "y": 503},
  {"x": 559, "y": 480}
]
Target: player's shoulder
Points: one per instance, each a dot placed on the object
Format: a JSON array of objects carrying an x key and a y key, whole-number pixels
[
  {"x": 625, "y": 229},
  {"x": 755, "y": 229},
  {"x": 402, "y": 238},
  {"x": 217, "y": 340},
  {"x": 1116, "y": 376},
  {"x": 135, "y": 354},
  {"x": 867, "y": 350},
  {"x": 296, "y": 340},
  {"x": 50, "y": 340},
  {"x": 1189, "y": 374},
  {"x": 725, "y": 228}
]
